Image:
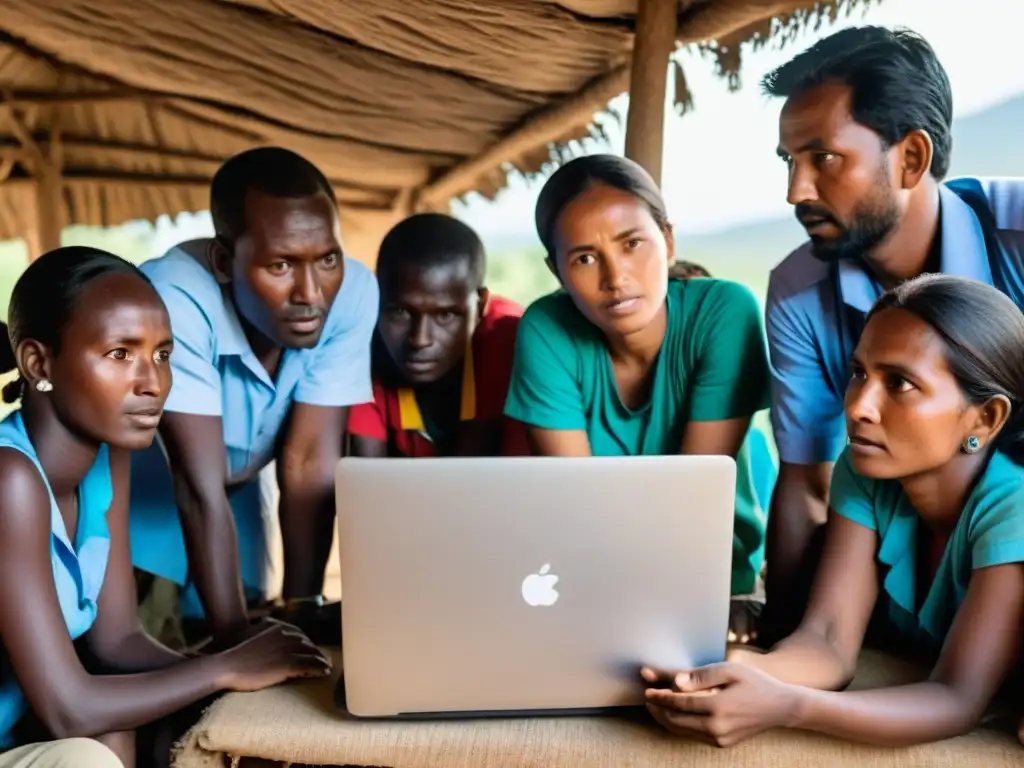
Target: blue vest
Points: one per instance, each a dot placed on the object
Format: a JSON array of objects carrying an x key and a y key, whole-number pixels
[
  {"x": 1006, "y": 261},
  {"x": 78, "y": 568}
]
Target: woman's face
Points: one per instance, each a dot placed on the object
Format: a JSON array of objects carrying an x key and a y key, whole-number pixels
[
  {"x": 613, "y": 259},
  {"x": 112, "y": 373},
  {"x": 905, "y": 412}
]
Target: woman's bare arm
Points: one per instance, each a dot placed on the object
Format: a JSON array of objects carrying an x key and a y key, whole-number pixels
[
  {"x": 63, "y": 695},
  {"x": 822, "y": 652},
  {"x": 558, "y": 442},
  {"x": 979, "y": 652}
]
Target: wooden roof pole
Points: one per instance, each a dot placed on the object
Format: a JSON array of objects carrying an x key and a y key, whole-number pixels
[
  {"x": 654, "y": 42},
  {"x": 44, "y": 163},
  {"x": 47, "y": 208},
  {"x": 545, "y": 127}
]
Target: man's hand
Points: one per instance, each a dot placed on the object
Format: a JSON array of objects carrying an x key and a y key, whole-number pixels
[
  {"x": 744, "y": 616},
  {"x": 720, "y": 704},
  {"x": 254, "y": 627}
]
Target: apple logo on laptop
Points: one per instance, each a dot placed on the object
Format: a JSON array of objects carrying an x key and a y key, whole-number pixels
[{"x": 539, "y": 588}]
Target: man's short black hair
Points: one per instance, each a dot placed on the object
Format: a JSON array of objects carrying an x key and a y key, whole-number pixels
[
  {"x": 273, "y": 171},
  {"x": 429, "y": 240},
  {"x": 897, "y": 82}
]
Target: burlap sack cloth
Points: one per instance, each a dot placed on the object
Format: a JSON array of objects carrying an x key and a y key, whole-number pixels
[{"x": 298, "y": 725}]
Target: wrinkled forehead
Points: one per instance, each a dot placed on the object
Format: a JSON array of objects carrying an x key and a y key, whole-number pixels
[
  {"x": 818, "y": 114},
  {"x": 285, "y": 225},
  {"x": 446, "y": 283}
]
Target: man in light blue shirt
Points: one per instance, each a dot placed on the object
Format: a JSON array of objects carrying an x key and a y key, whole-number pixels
[
  {"x": 865, "y": 131},
  {"x": 272, "y": 328}
]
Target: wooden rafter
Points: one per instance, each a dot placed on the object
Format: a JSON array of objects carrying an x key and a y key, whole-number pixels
[{"x": 545, "y": 127}]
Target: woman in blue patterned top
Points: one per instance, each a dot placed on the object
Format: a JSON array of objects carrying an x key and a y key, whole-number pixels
[
  {"x": 926, "y": 532},
  {"x": 91, "y": 340}
]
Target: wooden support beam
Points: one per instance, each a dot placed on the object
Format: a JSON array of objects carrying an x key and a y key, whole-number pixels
[
  {"x": 46, "y": 221},
  {"x": 43, "y": 160},
  {"x": 118, "y": 149},
  {"x": 348, "y": 197},
  {"x": 72, "y": 98},
  {"x": 545, "y": 127},
  {"x": 652, "y": 47}
]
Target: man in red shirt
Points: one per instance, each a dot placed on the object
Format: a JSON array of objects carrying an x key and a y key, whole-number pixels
[{"x": 442, "y": 352}]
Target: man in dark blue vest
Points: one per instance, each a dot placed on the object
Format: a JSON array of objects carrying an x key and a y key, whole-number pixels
[{"x": 865, "y": 132}]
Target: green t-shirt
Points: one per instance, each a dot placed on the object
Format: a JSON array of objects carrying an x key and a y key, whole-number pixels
[
  {"x": 712, "y": 366},
  {"x": 990, "y": 531}
]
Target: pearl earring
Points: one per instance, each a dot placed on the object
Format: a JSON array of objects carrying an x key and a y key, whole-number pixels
[
  {"x": 972, "y": 444},
  {"x": 44, "y": 385}
]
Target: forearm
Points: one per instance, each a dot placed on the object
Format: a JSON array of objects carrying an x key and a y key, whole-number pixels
[
  {"x": 138, "y": 652},
  {"x": 212, "y": 546},
  {"x": 909, "y": 714},
  {"x": 100, "y": 704},
  {"x": 804, "y": 658},
  {"x": 306, "y": 513},
  {"x": 797, "y": 513}
]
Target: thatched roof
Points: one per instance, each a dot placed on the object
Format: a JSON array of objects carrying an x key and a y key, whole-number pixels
[{"x": 403, "y": 103}]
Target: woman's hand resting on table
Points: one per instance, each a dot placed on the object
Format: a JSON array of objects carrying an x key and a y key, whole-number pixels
[
  {"x": 721, "y": 704},
  {"x": 274, "y": 653}
]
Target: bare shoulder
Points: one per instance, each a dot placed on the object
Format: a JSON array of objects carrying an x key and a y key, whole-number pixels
[{"x": 22, "y": 489}]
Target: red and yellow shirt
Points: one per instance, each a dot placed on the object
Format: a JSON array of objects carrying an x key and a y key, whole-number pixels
[{"x": 394, "y": 415}]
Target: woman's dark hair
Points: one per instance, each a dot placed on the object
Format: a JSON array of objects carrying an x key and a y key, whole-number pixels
[
  {"x": 44, "y": 300},
  {"x": 578, "y": 175},
  {"x": 983, "y": 331},
  {"x": 684, "y": 270},
  {"x": 898, "y": 84}
]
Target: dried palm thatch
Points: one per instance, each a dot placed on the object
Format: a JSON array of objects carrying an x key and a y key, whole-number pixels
[{"x": 124, "y": 110}]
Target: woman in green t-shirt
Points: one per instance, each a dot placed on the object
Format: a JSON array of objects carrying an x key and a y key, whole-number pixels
[{"x": 625, "y": 361}]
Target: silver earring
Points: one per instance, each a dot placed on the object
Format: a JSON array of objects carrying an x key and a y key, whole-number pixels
[
  {"x": 971, "y": 444},
  {"x": 44, "y": 385}
]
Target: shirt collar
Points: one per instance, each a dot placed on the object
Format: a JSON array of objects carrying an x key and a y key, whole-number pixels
[
  {"x": 231, "y": 338},
  {"x": 964, "y": 254}
]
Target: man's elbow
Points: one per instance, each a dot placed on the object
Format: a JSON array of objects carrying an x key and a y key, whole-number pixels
[
  {"x": 312, "y": 468},
  {"x": 802, "y": 488},
  {"x": 199, "y": 503}
]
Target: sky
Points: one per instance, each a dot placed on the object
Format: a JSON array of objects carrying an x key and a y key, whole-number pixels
[{"x": 720, "y": 165}]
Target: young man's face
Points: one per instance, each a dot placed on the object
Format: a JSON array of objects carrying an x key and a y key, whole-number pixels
[
  {"x": 427, "y": 317},
  {"x": 288, "y": 267},
  {"x": 840, "y": 179}
]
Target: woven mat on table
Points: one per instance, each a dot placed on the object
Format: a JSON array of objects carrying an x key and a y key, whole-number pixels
[{"x": 299, "y": 725}]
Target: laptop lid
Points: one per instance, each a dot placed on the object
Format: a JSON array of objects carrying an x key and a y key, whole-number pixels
[{"x": 528, "y": 584}]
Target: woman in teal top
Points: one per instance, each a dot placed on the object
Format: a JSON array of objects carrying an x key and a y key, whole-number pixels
[
  {"x": 625, "y": 361},
  {"x": 91, "y": 340},
  {"x": 926, "y": 531}
]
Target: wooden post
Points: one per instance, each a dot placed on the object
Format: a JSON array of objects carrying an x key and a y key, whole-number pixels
[
  {"x": 45, "y": 163},
  {"x": 47, "y": 219},
  {"x": 47, "y": 206},
  {"x": 653, "y": 44}
]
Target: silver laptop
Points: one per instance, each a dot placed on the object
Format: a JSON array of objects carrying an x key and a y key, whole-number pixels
[{"x": 476, "y": 587}]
